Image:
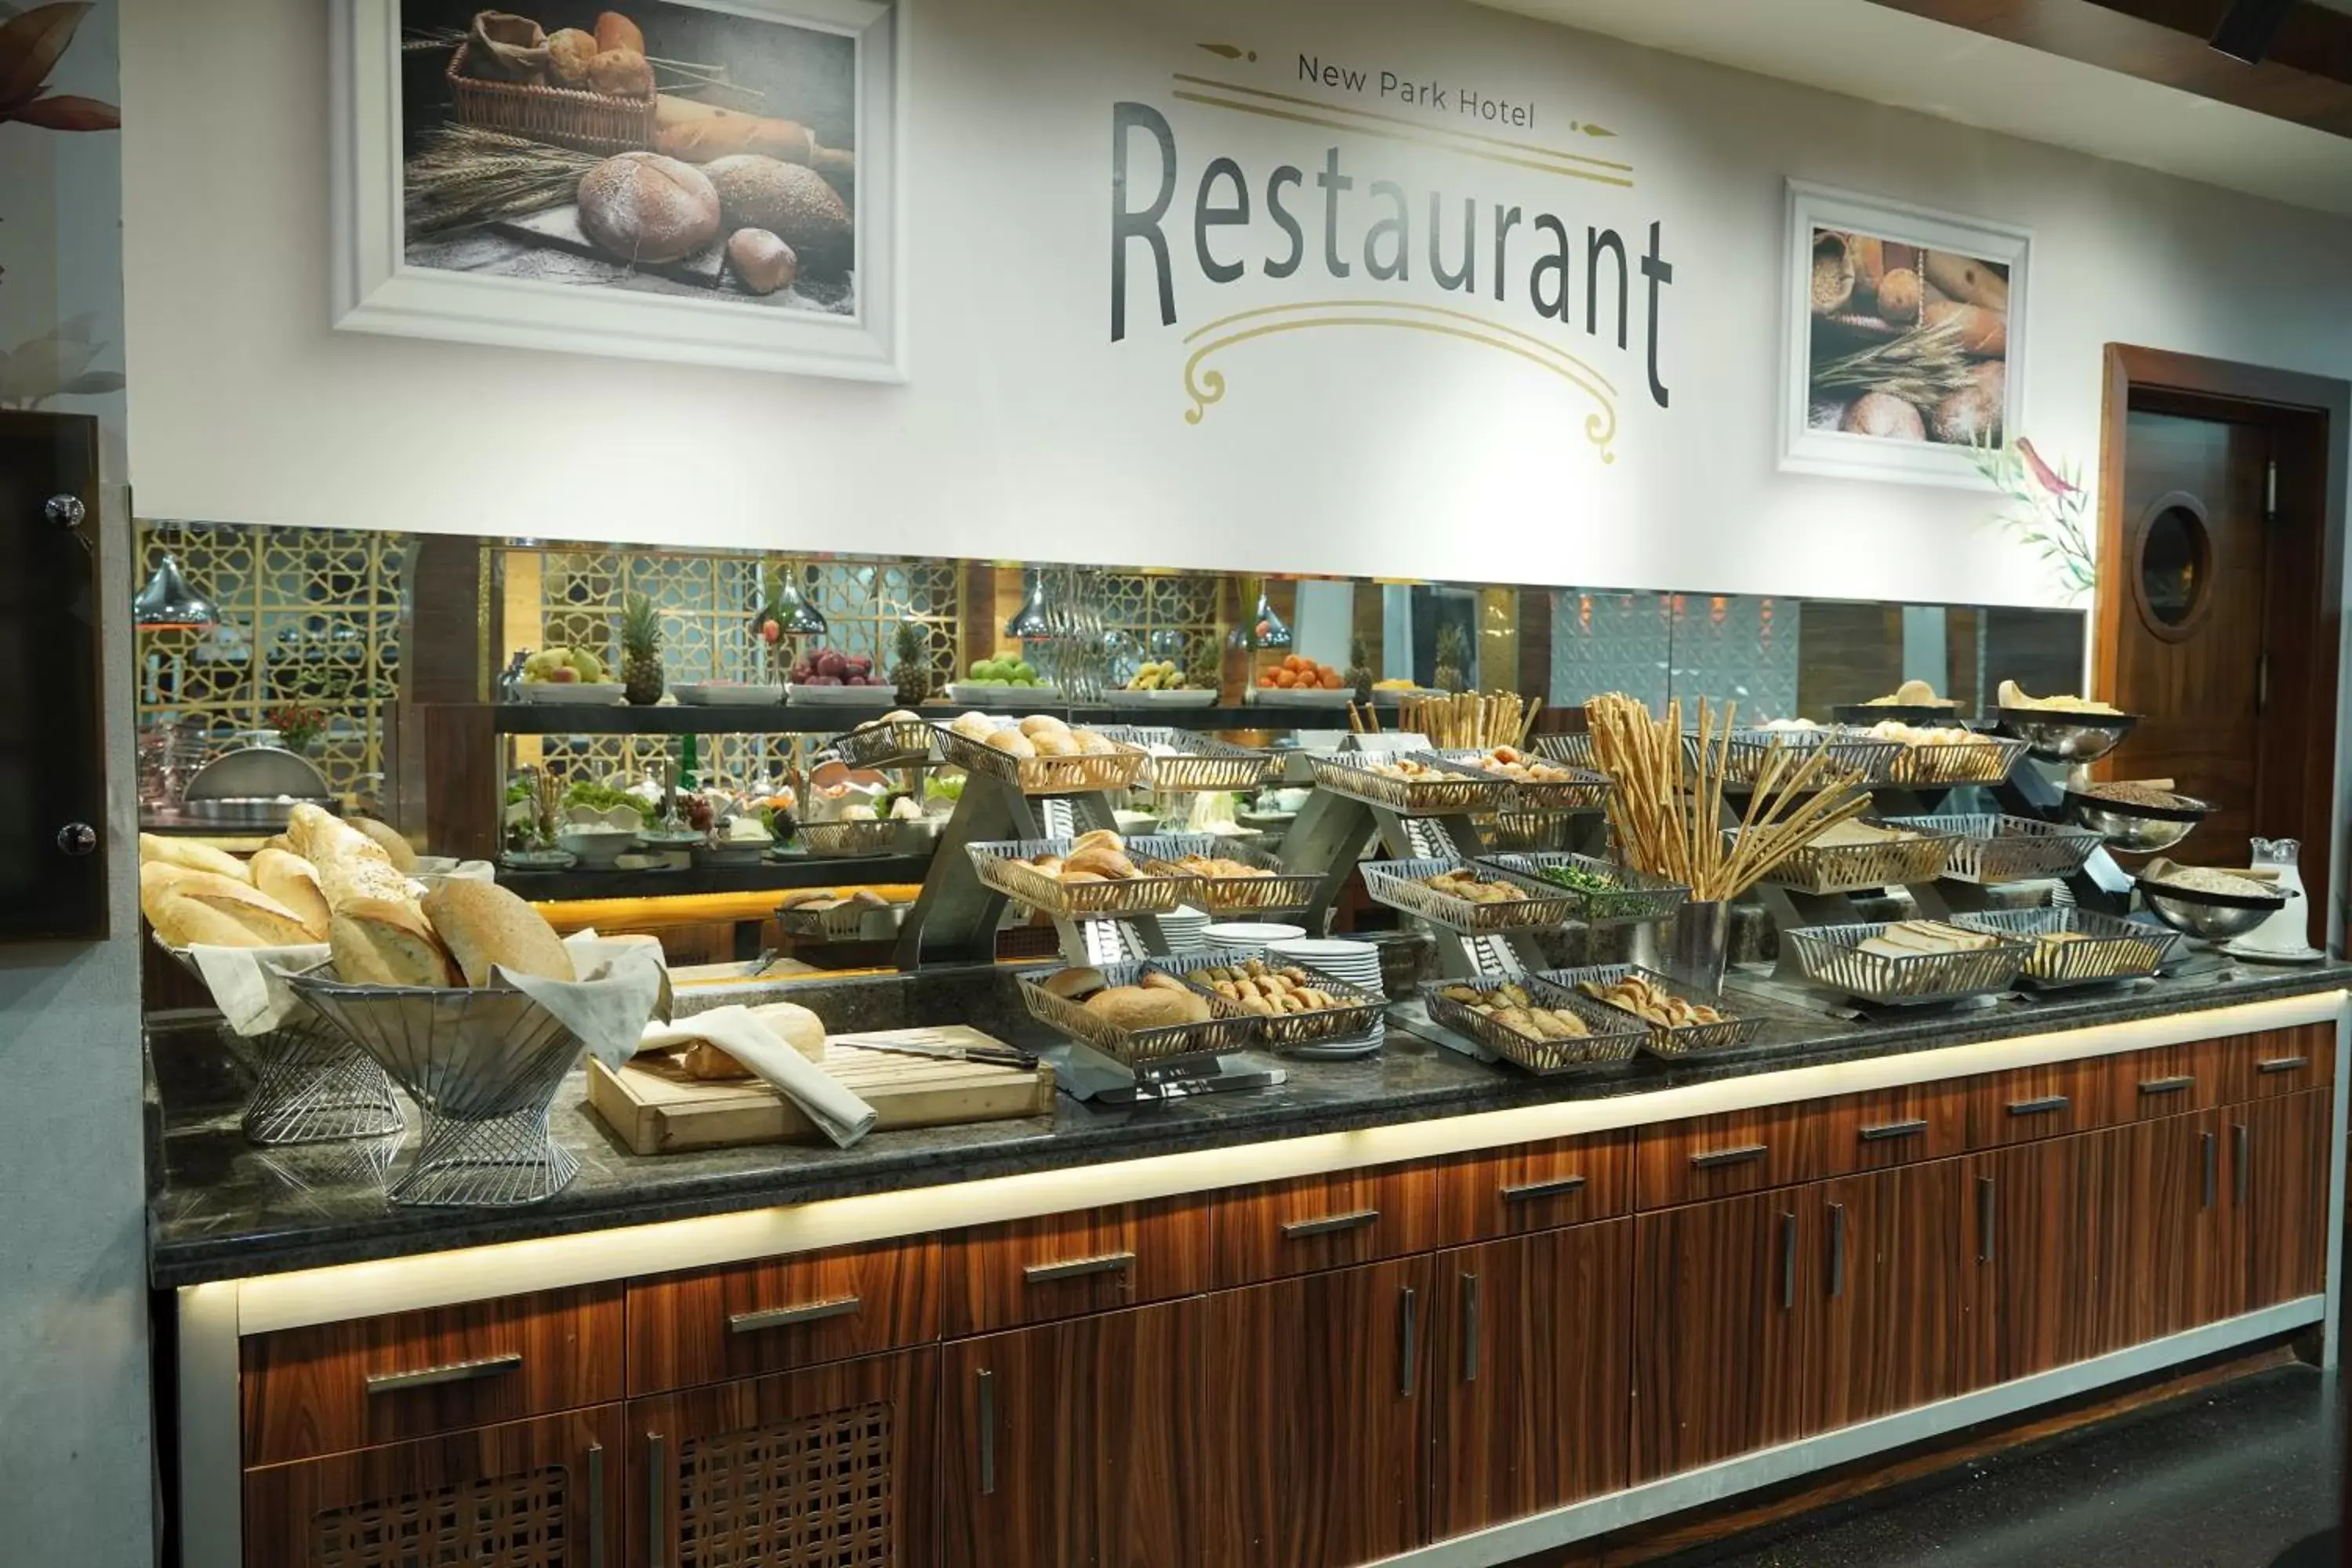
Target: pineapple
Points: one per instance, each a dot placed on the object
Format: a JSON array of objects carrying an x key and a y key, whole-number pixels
[
  {"x": 910, "y": 663},
  {"x": 641, "y": 664},
  {"x": 1360, "y": 669},
  {"x": 1453, "y": 655}
]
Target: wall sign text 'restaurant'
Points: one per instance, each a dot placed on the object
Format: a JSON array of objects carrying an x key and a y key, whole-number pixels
[{"x": 1518, "y": 259}]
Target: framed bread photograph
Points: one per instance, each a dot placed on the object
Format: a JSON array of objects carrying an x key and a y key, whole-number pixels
[
  {"x": 711, "y": 181},
  {"x": 1903, "y": 339}
]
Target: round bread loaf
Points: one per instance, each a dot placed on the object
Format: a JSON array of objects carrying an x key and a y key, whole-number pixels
[
  {"x": 1137, "y": 1007},
  {"x": 614, "y": 31},
  {"x": 483, "y": 924},
  {"x": 620, "y": 73},
  {"x": 1013, "y": 743},
  {"x": 642, "y": 206},
  {"x": 792, "y": 202},
  {"x": 760, "y": 262},
  {"x": 1898, "y": 297},
  {"x": 1073, "y": 984},
  {"x": 1971, "y": 416},
  {"x": 1883, "y": 414},
  {"x": 795, "y": 1025}
]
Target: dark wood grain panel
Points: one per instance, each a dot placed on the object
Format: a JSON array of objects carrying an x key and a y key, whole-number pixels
[
  {"x": 1078, "y": 1444},
  {"x": 1888, "y": 1278},
  {"x": 2274, "y": 1062},
  {"x": 736, "y": 1469},
  {"x": 2027, "y": 1275},
  {"x": 2281, "y": 1202},
  {"x": 1535, "y": 1186},
  {"x": 525, "y": 1494},
  {"x": 1318, "y": 1443},
  {"x": 1534, "y": 1340},
  {"x": 1722, "y": 1330},
  {"x": 717, "y": 1323},
  {"x": 1059, "y": 1266},
  {"x": 1890, "y": 1127},
  {"x": 2022, "y": 1104},
  {"x": 2169, "y": 1080},
  {"x": 1313, "y": 1223},
  {"x": 1729, "y": 1153},
  {"x": 305, "y": 1391}
]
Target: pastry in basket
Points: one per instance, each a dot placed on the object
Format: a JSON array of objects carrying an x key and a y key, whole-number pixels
[
  {"x": 1098, "y": 857},
  {"x": 1159, "y": 1002},
  {"x": 1268, "y": 991},
  {"x": 1523, "y": 767},
  {"x": 1917, "y": 939},
  {"x": 1853, "y": 835},
  {"x": 1652, "y": 1003},
  {"x": 1466, "y": 884},
  {"x": 1510, "y": 1005},
  {"x": 1928, "y": 734},
  {"x": 1911, "y": 694},
  {"x": 1198, "y": 865},
  {"x": 2013, "y": 695},
  {"x": 1403, "y": 768}
]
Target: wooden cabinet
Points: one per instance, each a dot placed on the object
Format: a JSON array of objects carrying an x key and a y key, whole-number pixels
[
  {"x": 1886, "y": 1332},
  {"x": 780, "y": 1313},
  {"x": 2279, "y": 1151},
  {"x": 1060, "y": 1266},
  {"x": 2171, "y": 1080},
  {"x": 1313, "y": 1223},
  {"x": 1076, "y": 1444},
  {"x": 2276, "y": 1062},
  {"x": 544, "y": 1493},
  {"x": 817, "y": 1469},
  {"x": 1317, "y": 1446},
  {"x": 1807, "y": 1141},
  {"x": 321, "y": 1390},
  {"x": 1532, "y": 1344},
  {"x": 2026, "y": 1103},
  {"x": 2031, "y": 1274},
  {"x": 1529, "y": 1187}
]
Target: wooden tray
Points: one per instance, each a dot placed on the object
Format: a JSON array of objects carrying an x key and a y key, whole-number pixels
[{"x": 654, "y": 1108}]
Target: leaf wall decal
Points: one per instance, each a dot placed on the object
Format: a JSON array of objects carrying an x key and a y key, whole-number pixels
[
  {"x": 30, "y": 45},
  {"x": 63, "y": 112}
]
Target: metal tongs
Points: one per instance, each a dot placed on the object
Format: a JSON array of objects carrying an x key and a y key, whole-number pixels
[{"x": 938, "y": 1048}]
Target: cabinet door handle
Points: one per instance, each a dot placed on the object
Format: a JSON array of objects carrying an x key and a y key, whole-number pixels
[
  {"x": 1469, "y": 1327},
  {"x": 453, "y": 1371},
  {"x": 1837, "y": 1250},
  {"x": 656, "y": 1490},
  {"x": 1528, "y": 1192},
  {"x": 786, "y": 1317},
  {"x": 2212, "y": 1149},
  {"x": 1987, "y": 1210},
  {"x": 1404, "y": 1373},
  {"x": 1887, "y": 1130},
  {"x": 1077, "y": 1267},
  {"x": 1788, "y": 1261},
  {"x": 2040, "y": 1107},
  {"x": 595, "y": 1505},
  {"x": 1329, "y": 1224},
  {"x": 987, "y": 1381},
  {"x": 1708, "y": 1158},
  {"x": 2241, "y": 1151},
  {"x": 2173, "y": 1084},
  {"x": 2282, "y": 1063}
]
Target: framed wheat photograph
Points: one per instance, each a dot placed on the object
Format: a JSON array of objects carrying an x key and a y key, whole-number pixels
[
  {"x": 707, "y": 181},
  {"x": 1904, "y": 338}
]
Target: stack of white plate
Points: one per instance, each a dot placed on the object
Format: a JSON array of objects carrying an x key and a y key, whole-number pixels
[
  {"x": 1358, "y": 963},
  {"x": 1186, "y": 929},
  {"x": 1255, "y": 936}
]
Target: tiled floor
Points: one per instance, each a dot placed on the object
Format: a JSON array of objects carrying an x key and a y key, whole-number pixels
[{"x": 2231, "y": 1478}]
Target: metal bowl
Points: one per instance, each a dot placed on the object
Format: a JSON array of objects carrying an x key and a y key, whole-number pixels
[
  {"x": 2136, "y": 829},
  {"x": 2208, "y": 916},
  {"x": 2057, "y": 736},
  {"x": 1862, "y": 715}
]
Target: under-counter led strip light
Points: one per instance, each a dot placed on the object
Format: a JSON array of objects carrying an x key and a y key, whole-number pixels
[{"x": 441, "y": 1279}]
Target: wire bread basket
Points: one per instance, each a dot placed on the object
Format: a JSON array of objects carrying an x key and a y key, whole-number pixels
[
  {"x": 1824, "y": 869},
  {"x": 1572, "y": 747},
  {"x": 1984, "y": 761},
  {"x": 2108, "y": 949},
  {"x": 1991, "y": 849},
  {"x": 1359, "y": 1011},
  {"x": 848, "y": 839},
  {"x": 1588, "y": 791},
  {"x": 1274, "y": 890},
  {"x": 311, "y": 1083},
  {"x": 1402, "y": 885},
  {"x": 1529, "y": 831},
  {"x": 1636, "y": 896},
  {"x": 840, "y": 923},
  {"x": 1664, "y": 1039},
  {"x": 1446, "y": 791},
  {"x": 1087, "y": 774},
  {"x": 999, "y": 865},
  {"x": 890, "y": 743},
  {"x": 1229, "y": 1027},
  {"x": 1832, "y": 956},
  {"x": 1615, "y": 1036},
  {"x": 1199, "y": 764},
  {"x": 1844, "y": 750}
]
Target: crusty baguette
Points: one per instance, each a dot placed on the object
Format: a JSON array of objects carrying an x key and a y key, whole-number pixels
[
  {"x": 1981, "y": 330},
  {"x": 293, "y": 883},
  {"x": 483, "y": 924},
  {"x": 695, "y": 133},
  {"x": 192, "y": 909},
  {"x": 703, "y": 1060},
  {"x": 193, "y": 856},
  {"x": 397, "y": 849},
  {"x": 192, "y": 922},
  {"x": 349, "y": 864},
  {"x": 380, "y": 941}
]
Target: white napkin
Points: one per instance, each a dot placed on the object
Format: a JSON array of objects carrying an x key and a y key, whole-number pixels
[
  {"x": 622, "y": 984},
  {"x": 839, "y": 1114},
  {"x": 248, "y": 984}
]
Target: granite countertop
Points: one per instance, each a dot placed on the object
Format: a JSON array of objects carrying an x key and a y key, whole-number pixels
[{"x": 220, "y": 1207}]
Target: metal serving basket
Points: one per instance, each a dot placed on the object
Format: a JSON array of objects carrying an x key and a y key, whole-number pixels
[
  {"x": 1589, "y": 791},
  {"x": 1278, "y": 890},
  {"x": 1571, "y": 747},
  {"x": 1824, "y": 869},
  {"x": 1985, "y": 761},
  {"x": 1088, "y": 774},
  {"x": 890, "y": 743},
  {"x": 1358, "y": 1011},
  {"x": 1832, "y": 956},
  {"x": 847, "y": 840},
  {"x": 2110, "y": 949},
  {"x": 1664, "y": 1039},
  {"x": 999, "y": 865},
  {"x": 1399, "y": 885},
  {"x": 1990, "y": 848},
  {"x": 1200, "y": 764},
  {"x": 312, "y": 1084},
  {"x": 1616, "y": 1036},
  {"x": 843, "y": 922},
  {"x": 1638, "y": 896},
  {"x": 1848, "y": 752},
  {"x": 1228, "y": 1027},
  {"x": 1452, "y": 790}
]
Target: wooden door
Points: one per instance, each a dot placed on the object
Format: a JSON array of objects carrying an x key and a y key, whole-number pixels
[
  {"x": 1722, "y": 1325},
  {"x": 1318, "y": 1439},
  {"x": 1074, "y": 1445},
  {"x": 1532, "y": 1335},
  {"x": 544, "y": 1493},
  {"x": 1886, "y": 1337},
  {"x": 828, "y": 1468},
  {"x": 2029, "y": 1269},
  {"x": 2278, "y": 1179}
]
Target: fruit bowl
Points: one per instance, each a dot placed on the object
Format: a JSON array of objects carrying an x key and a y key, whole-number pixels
[
  {"x": 1186, "y": 697},
  {"x": 798, "y": 696},
  {"x": 996, "y": 696},
  {"x": 602, "y": 693}
]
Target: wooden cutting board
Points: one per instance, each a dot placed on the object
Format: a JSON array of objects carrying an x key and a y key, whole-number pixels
[{"x": 657, "y": 1110}]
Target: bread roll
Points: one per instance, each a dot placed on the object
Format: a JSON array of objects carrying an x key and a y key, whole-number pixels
[
  {"x": 620, "y": 73},
  {"x": 1967, "y": 279},
  {"x": 1100, "y": 838},
  {"x": 1109, "y": 864},
  {"x": 1073, "y": 984},
  {"x": 380, "y": 941},
  {"x": 1898, "y": 297},
  {"x": 1055, "y": 744},
  {"x": 349, "y": 864},
  {"x": 642, "y": 206},
  {"x": 482, "y": 923},
  {"x": 704, "y": 132},
  {"x": 1013, "y": 743},
  {"x": 614, "y": 31},
  {"x": 1136, "y": 1008},
  {"x": 1883, "y": 414},
  {"x": 192, "y": 909},
  {"x": 795, "y": 1025},
  {"x": 1038, "y": 725},
  {"x": 710, "y": 1063},
  {"x": 293, "y": 883},
  {"x": 972, "y": 726},
  {"x": 396, "y": 849},
  {"x": 760, "y": 262},
  {"x": 193, "y": 856},
  {"x": 1971, "y": 416},
  {"x": 790, "y": 201},
  {"x": 568, "y": 54}
]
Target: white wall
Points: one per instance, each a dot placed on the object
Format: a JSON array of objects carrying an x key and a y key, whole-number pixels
[
  {"x": 75, "y": 1454},
  {"x": 1025, "y": 432}
]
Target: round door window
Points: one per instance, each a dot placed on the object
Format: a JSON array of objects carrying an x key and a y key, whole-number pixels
[{"x": 2176, "y": 559}]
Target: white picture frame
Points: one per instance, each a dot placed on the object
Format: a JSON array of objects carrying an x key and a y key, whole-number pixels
[
  {"x": 376, "y": 290},
  {"x": 1808, "y": 450}
]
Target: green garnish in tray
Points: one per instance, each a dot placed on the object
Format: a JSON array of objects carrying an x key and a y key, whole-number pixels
[
  {"x": 603, "y": 797},
  {"x": 1578, "y": 879}
]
